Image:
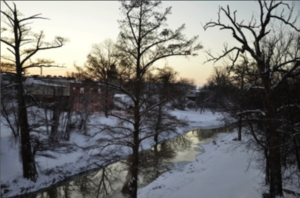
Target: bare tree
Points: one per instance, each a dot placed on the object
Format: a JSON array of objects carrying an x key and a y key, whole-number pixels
[
  {"x": 101, "y": 67},
  {"x": 23, "y": 45},
  {"x": 162, "y": 87},
  {"x": 239, "y": 80},
  {"x": 8, "y": 105},
  {"x": 58, "y": 107},
  {"x": 273, "y": 67},
  {"x": 218, "y": 91},
  {"x": 144, "y": 39}
]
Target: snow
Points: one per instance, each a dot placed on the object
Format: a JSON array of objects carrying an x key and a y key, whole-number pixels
[
  {"x": 30, "y": 81},
  {"x": 222, "y": 170},
  {"x": 200, "y": 120}
]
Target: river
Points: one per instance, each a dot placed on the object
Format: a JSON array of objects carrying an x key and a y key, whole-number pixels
[{"x": 107, "y": 182}]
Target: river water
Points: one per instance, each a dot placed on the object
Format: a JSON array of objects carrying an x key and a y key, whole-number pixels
[{"x": 108, "y": 181}]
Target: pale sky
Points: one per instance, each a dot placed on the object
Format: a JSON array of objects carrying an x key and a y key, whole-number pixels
[{"x": 86, "y": 23}]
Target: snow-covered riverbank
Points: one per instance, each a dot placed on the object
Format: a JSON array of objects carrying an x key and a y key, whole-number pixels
[
  {"x": 52, "y": 170},
  {"x": 223, "y": 170}
]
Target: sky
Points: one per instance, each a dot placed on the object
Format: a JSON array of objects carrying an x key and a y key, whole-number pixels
[{"x": 85, "y": 23}]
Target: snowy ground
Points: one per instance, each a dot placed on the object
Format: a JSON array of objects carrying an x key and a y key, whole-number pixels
[
  {"x": 222, "y": 171},
  {"x": 73, "y": 162}
]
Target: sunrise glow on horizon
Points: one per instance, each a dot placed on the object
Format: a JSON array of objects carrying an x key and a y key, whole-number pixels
[{"x": 85, "y": 23}]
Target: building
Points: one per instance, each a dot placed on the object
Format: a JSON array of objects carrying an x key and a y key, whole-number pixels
[
  {"x": 71, "y": 94},
  {"x": 89, "y": 97},
  {"x": 46, "y": 90}
]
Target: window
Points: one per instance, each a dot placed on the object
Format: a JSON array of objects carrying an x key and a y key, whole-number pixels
[
  {"x": 99, "y": 90},
  {"x": 81, "y": 89}
]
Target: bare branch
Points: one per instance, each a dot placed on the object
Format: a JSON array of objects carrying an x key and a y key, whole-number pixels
[
  {"x": 7, "y": 43},
  {"x": 285, "y": 21},
  {"x": 33, "y": 17},
  {"x": 11, "y": 20},
  {"x": 59, "y": 41},
  {"x": 11, "y": 51},
  {"x": 288, "y": 74},
  {"x": 226, "y": 52},
  {"x": 9, "y": 6}
]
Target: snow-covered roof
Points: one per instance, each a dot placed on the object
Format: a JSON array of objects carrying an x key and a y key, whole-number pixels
[{"x": 30, "y": 81}]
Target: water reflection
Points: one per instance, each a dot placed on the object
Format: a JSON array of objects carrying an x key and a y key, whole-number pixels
[
  {"x": 157, "y": 160},
  {"x": 108, "y": 181},
  {"x": 206, "y": 134},
  {"x": 95, "y": 185},
  {"x": 98, "y": 184}
]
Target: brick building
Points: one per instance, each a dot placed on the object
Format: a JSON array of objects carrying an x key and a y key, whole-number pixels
[
  {"x": 88, "y": 97},
  {"x": 74, "y": 95}
]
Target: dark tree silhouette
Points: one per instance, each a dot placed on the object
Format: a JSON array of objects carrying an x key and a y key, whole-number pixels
[
  {"x": 275, "y": 59},
  {"x": 144, "y": 39},
  {"x": 23, "y": 45},
  {"x": 101, "y": 66}
]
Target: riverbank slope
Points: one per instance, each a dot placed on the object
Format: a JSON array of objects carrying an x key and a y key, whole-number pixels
[
  {"x": 71, "y": 160},
  {"x": 224, "y": 170}
]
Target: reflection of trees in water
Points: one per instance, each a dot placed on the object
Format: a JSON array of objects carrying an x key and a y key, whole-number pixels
[
  {"x": 104, "y": 182},
  {"x": 203, "y": 134},
  {"x": 96, "y": 185},
  {"x": 64, "y": 191},
  {"x": 157, "y": 160},
  {"x": 179, "y": 143},
  {"x": 50, "y": 193},
  {"x": 154, "y": 162}
]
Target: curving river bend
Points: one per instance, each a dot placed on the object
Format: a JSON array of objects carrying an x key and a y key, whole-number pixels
[{"x": 107, "y": 182}]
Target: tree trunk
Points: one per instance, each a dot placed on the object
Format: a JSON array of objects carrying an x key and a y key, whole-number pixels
[
  {"x": 85, "y": 126},
  {"x": 134, "y": 172},
  {"x": 29, "y": 166},
  {"x": 267, "y": 168},
  {"x": 135, "y": 149},
  {"x": 66, "y": 135},
  {"x": 22, "y": 35},
  {"x": 106, "y": 101},
  {"x": 241, "y": 106},
  {"x": 240, "y": 128},
  {"x": 296, "y": 149},
  {"x": 55, "y": 122},
  {"x": 274, "y": 146},
  {"x": 131, "y": 185},
  {"x": 275, "y": 168},
  {"x": 46, "y": 119},
  {"x": 157, "y": 127}
]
